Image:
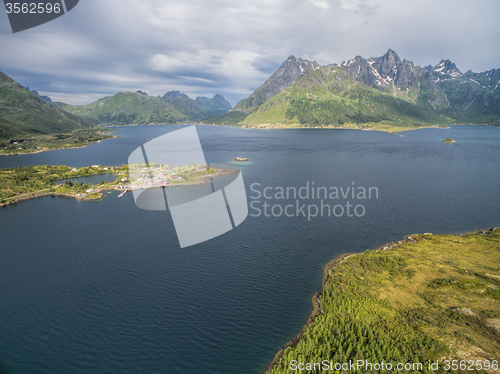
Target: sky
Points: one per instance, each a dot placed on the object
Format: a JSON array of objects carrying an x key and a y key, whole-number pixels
[{"x": 208, "y": 47}]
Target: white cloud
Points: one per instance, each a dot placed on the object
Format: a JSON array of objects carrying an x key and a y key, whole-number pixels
[
  {"x": 323, "y": 4},
  {"x": 359, "y": 6}
]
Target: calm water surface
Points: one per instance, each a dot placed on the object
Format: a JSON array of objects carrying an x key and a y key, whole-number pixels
[
  {"x": 90, "y": 179},
  {"x": 103, "y": 287}
]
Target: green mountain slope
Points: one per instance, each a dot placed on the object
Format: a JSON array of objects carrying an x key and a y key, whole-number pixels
[
  {"x": 127, "y": 108},
  {"x": 22, "y": 113},
  {"x": 330, "y": 96},
  {"x": 287, "y": 73},
  {"x": 200, "y": 108},
  {"x": 470, "y": 101}
]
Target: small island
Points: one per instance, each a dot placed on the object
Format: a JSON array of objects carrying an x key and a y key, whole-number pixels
[
  {"x": 240, "y": 159},
  {"x": 449, "y": 140}
]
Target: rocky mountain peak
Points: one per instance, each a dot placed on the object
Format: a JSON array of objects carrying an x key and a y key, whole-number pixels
[
  {"x": 293, "y": 65},
  {"x": 391, "y": 55},
  {"x": 381, "y": 72},
  {"x": 172, "y": 94},
  {"x": 446, "y": 67},
  {"x": 221, "y": 100},
  {"x": 387, "y": 65},
  {"x": 43, "y": 97}
]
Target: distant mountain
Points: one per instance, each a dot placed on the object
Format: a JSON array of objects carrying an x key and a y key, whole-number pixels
[
  {"x": 44, "y": 98},
  {"x": 303, "y": 92},
  {"x": 399, "y": 78},
  {"x": 471, "y": 97},
  {"x": 126, "y": 108},
  {"x": 199, "y": 108},
  {"x": 24, "y": 113},
  {"x": 287, "y": 73}
]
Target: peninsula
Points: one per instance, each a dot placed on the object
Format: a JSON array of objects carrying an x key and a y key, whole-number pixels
[
  {"x": 425, "y": 300},
  {"x": 22, "y": 144},
  {"x": 27, "y": 182}
]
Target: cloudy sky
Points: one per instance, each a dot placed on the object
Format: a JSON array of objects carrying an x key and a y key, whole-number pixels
[{"x": 204, "y": 47}]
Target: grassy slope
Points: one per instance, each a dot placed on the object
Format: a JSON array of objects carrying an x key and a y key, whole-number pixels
[
  {"x": 436, "y": 298},
  {"x": 22, "y": 113},
  {"x": 36, "y": 125},
  {"x": 127, "y": 108},
  {"x": 229, "y": 118},
  {"x": 329, "y": 96}
]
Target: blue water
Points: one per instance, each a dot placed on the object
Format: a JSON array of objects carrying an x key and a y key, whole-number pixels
[
  {"x": 103, "y": 287},
  {"x": 90, "y": 179}
]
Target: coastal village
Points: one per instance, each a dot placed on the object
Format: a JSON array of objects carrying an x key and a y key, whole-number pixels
[{"x": 158, "y": 175}]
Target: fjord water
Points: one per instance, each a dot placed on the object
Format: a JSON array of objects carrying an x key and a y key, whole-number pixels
[
  {"x": 103, "y": 287},
  {"x": 90, "y": 179}
]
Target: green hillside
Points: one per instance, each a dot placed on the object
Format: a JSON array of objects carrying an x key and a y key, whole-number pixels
[
  {"x": 329, "y": 96},
  {"x": 22, "y": 113},
  {"x": 471, "y": 102},
  {"x": 127, "y": 108},
  {"x": 427, "y": 298},
  {"x": 229, "y": 118}
]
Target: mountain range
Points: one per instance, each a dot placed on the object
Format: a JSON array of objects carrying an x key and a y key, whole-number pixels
[
  {"x": 199, "y": 108},
  {"x": 126, "y": 108},
  {"x": 376, "y": 92}
]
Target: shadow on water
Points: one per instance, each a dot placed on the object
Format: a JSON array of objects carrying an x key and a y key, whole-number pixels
[{"x": 3, "y": 369}]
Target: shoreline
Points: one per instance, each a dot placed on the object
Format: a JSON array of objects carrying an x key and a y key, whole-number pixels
[
  {"x": 337, "y": 261},
  {"x": 394, "y": 132},
  {"x": 55, "y": 149},
  {"x": 41, "y": 194}
]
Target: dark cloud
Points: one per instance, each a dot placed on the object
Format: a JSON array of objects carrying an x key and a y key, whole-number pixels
[{"x": 231, "y": 47}]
